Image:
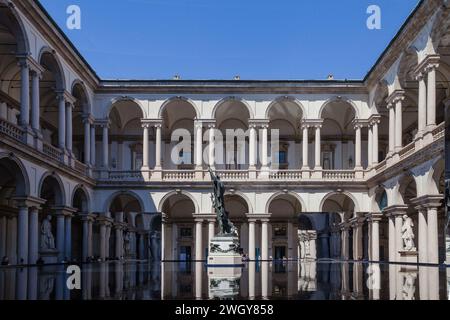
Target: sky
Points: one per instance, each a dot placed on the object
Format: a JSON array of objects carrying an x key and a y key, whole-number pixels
[{"x": 219, "y": 39}]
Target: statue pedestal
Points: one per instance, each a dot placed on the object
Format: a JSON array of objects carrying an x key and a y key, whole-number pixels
[
  {"x": 409, "y": 256},
  {"x": 224, "y": 283},
  {"x": 224, "y": 251},
  {"x": 49, "y": 256}
]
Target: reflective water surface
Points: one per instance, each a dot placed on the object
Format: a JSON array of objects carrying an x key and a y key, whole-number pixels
[{"x": 323, "y": 280}]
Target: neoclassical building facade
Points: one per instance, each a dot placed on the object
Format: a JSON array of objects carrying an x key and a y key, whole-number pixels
[{"x": 92, "y": 158}]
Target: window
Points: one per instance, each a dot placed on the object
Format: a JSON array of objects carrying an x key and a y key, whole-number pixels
[{"x": 185, "y": 232}]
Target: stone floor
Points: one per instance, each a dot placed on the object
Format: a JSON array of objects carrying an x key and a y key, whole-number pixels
[{"x": 304, "y": 280}]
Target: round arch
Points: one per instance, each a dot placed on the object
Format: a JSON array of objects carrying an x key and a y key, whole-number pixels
[
  {"x": 276, "y": 195},
  {"x": 22, "y": 176},
  {"x": 244, "y": 197},
  {"x": 232, "y": 99},
  {"x": 348, "y": 194},
  {"x": 285, "y": 98},
  {"x": 82, "y": 188},
  {"x": 80, "y": 83},
  {"x": 179, "y": 99},
  {"x": 59, "y": 72},
  {"x": 112, "y": 196},
  {"x": 172, "y": 193},
  {"x": 19, "y": 30},
  {"x": 341, "y": 100},
  {"x": 54, "y": 176},
  {"x": 434, "y": 176},
  {"x": 115, "y": 100}
]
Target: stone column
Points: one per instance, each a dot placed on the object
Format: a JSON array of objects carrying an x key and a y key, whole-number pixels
[
  {"x": 107, "y": 239},
  {"x": 398, "y": 235},
  {"x": 375, "y": 123},
  {"x": 69, "y": 144},
  {"x": 211, "y": 231},
  {"x": 174, "y": 242},
  {"x": 422, "y": 113},
  {"x": 211, "y": 150},
  {"x": 22, "y": 234},
  {"x": 87, "y": 140},
  {"x": 423, "y": 236},
  {"x": 145, "y": 148},
  {"x": 369, "y": 146},
  {"x": 68, "y": 238},
  {"x": 391, "y": 109},
  {"x": 432, "y": 204},
  {"x": 35, "y": 101},
  {"x": 118, "y": 244},
  {"x": 264, "y": 240},
  {"x": 431, "y": 93},
  {"x": 158, "y": 146},
  {"x": 198, "y": 146},
  {"x": 345, "y": 242},
  {"x": 93, "y": 141},
  {"x": 392, "y": 239},
  {"x": 264, "y": 155},
  {"x": 318, "y": 165},
  {"x": 90, "y": 235},
  {"x": 105, "y": 146},
  {"x": 375, "y": 220},
  {"x": 102, "y": 240},
  {"x": 61, "y": 120},
  {"x": 11, "y": 244},
  {"x": 305, "y": 165},
  {"x": 358, "y": 147},
  {"x": 60, "y": 234},
  {"x": 163, "y": 237},
  {"x": 289, "y": 240},
  {"x": 3, "y": 235},
  {"x": 251, "y": 239},
  {"x": 24, "y": 93},
  {"x": 85, "y": 246},
  {"x": 198, "y": 240},
  {"x": 398, "y": 122}
]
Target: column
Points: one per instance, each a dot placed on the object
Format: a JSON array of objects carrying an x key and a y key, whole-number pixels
[
  {"x": 69, "y": 109},
  {"x": 433, "y": 246},
  {"x": 163, "y": 239},
  {"x": 423, "y": 237},
  {"x": 391, "y": 128},
  {"x": 198, "y": 146},
  {"x": 264, "y": 240},
  {"x": 211, "y": 231},
  {"x": 422, "y": 113},
  {"x": 317, "y": 148},
  {"x": 398, "y": 123},
  {"x": 22, "y": 234},
  {"x": 68, "y": 238},
  {"x": 392, "y": 239},
  {"x": 211, "y": 150},
  {"x": 145, "y": 151},
  {"x": 264, "y": 155},
  {"x": 198, "y": 240},
  {"x": 61, "y": 121},
  {"x": 375, "y": 142},
  {"x": 87, "y": 140},
  {"x": 119, "y": 245},
  {"x": 102, "y": 241},
  {"x": 107, "y": 238},
  {"x": 158, "y": 147},
  {"x": 376, "y": 237},
  {"x": 305, "y": 148},
  {"x": 174, "y": 242},
  {"x": 431, "y": 96},
  {"x": 252, "y": 147},
  {"x": 33, "y": 243},
  {"x": 345, "y": 243},
  {"x": 369, "y": 146},
  {"x": 358, "y": 147},
  {"x": 93, "y": 141},
  {"x": 35, "y": 100},
  {"x": 105, "y": 146},
  {"x": 90, "y": 251},
  {"x": 398, "y": 235},
  {"x": 24, "y": 93},
  {"x": 85, "y": 247},
  {"x": 3, "y": 235},
  {"x": 60, "y": 226},
  {"x": 289, "y": 240},
  {"x": 251, "y": 240}
]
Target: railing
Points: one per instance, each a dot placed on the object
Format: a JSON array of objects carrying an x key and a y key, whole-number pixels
[
  {"x": 233, "y": 174},
  {"x": 439, "y": 131},
  {"x": 178, "y": 175},
  {"x": 339, "y": 174},
  {"x": 52, "y": 151},
  {"x": 381, "y": 166},
  {"x": 11, "y": 130},
  {"x": 407, "y": 150},
  {"x": 125, "y": 175},
  {"x": 80, "y": 167},
  {"x": 285, "y": 175}
]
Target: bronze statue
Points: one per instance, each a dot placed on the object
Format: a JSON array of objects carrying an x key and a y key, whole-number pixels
[{"x": 226, "y": 227}]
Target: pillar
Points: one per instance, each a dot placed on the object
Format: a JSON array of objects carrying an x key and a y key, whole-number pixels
[
  {"x": 33, "y": 241},
  {"x": 211, "y": 231},
  {"x": 174, "y": 242},
  {"x": 85, "y": 247},
  {"x": 317, "y": 148},
  {"x": 102, "y": 241},
  {"x": 22, "y": 235},
  {"x": 433, "y": 245},
  {"x": 198, "y": 240},
  {"x": 264, "y": 240},
  {"x": 87, "y": 141},
  {"x": 398, "y": 235},
  {"x": 345, "y": 243},
  {"x": 24, "y": 93},
  {"x": 252, "y": 147},
  {"x": 93, "y": 141},
  {"x": 289, "y": 240},
  {"x": 145, "y": 151},
  {"x": 69, "y": 144},
  {"x": 305, "y": 148},
  {"x": 391, "y": 128},
  {"x": 375, "y": 237},
  {"x": 375, "y": 142},
  {"x": 251, "y": 240},
  {"x": 60, "y": 228},
  {"x": 369, "y": 146},
  {"x": 61, "y": 121},
  {"x": 105, "y": 145},
  {"x": 392, "y": 239},
  {"x": 422, "y": 113},
  {"x": 264, "y": 155},
  {"x": 431, "y": 96},
  {"x": 423, "y": 236},
  {"x": 68, "y": 238},
  {"x": 90, "y": 251},
  {"x": 198, "y": 146},
  {"x": 35, "y": 101},
  {"x": 119, "y": 244},
  {"x": 358, "y": 147},
  {"x": 398, "y": 124},
  {"x": 158, "y": 147}
]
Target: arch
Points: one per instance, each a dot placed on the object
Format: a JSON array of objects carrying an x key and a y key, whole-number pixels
[
  {"x": 348, "y": 194},
  {"x": 172, "y": 193},
  {"x": 115, "y": 100},
  {"x": 294, "y": 194},
  {"x": 244, "y": 197},
  {"x": 19, "y": 30},
  {"x": 81, "y": 188},
  {"x": 434, "y": 176},
  {"x": 59, "y": 184},
  {"x": 80, "y": 83},
  {"x": 178, "y": 98},
  {"x": 286, "y": 98},
  {"x": 232, "y": 99},
  {"x": 22, "y": 179},
  {"x": 59, "y": 71},
  {"x": 341, "y": 100},
  {"x": 130, "y": 193}
]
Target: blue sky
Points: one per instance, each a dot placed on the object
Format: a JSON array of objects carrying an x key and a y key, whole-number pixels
[{"x": 212, "y": 39}]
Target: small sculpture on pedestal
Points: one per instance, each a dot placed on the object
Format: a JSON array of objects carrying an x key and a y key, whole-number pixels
[{"x": 408, "y": 234}]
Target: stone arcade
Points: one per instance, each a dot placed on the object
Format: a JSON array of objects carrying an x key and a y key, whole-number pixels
[{"x": 355, "y": 156}]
